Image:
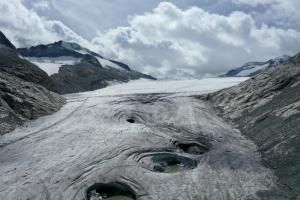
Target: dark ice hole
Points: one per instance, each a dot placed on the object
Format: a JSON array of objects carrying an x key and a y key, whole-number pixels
[
  {"x": 130, "y": 120},
  {"x": 110, "y": 191}
]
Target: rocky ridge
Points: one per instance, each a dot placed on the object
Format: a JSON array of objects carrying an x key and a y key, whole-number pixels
[
  {"x": 251, "y": 69},
  {"x": 266, "y": 108}
]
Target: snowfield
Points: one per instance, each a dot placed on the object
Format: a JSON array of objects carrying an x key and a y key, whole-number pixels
[
  {"x": 52, "y": 65},
  {"x": 152, "y": 136}
]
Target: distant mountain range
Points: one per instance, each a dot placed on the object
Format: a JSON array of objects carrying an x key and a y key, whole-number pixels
[
  {"x": 251, "y": 69},
  {"x": 76, "y": 69},
  {"x": 30, "y": 78}
]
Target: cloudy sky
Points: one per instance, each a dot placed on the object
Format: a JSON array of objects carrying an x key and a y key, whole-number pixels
[{"x": 167, "y": 39}]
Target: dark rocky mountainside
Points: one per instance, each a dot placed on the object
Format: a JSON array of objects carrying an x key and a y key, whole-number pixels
[
  {"x": 87, "y": 76},
  {"x": 4, "y": 42},
  {"x": 12, "y": 64},
  {"x": 22, "y": 89},
  {"x": 82, "y": 69},
  {"x": 266, "y": 108},
  {"x": 21, "y": 100}
]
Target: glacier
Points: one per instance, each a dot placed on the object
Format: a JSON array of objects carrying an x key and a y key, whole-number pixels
[{"x": 122, "y": 134}]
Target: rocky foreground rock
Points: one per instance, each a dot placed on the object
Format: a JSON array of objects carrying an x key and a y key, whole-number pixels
[{"x": 266, "y": 109}]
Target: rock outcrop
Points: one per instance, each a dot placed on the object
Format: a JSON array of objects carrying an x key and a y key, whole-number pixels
[
  {"x": 87, "y": 76},
  {"x": 266, "y": 108},
  {"x": 12, "y": 64},
  {"x": 21, "y": 101},
  {"x": 23, "y": 93}
]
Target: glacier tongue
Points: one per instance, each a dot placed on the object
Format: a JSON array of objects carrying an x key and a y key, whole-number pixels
[
  {"x": 144, "y": 86},
  {"x": 90, "y": 141}
]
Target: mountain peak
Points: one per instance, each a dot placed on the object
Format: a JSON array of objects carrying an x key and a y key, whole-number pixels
[
  {"x": 5, "y": 42},
  {"x": 74, "y": 51},
  {"x": 68, "y": 45}
]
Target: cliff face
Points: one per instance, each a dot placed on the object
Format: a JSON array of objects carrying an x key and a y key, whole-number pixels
[{"x": 266, "y": 108}]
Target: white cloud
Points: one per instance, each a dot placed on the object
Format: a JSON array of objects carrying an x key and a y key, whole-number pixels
[
  {"x": 41, "y": 4},
  {"x": 173, "y": 42},
  {"x": 283, "y": 13},
  {"x": 25, "y": 28},
  {"x": 166, "y": 42},
  {"x": 254, "y": 2}
]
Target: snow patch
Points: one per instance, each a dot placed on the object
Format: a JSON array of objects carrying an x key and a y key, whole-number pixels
[
  {"x": 83, "y": 51},
  {"x": 281, "y": 59},
  {"x": 51, "y": 65},
  {"x": 251, "y": 69},
  {"x": 104, "y": 62},
  {"x": 108, "y": 64}
]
